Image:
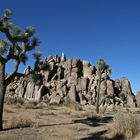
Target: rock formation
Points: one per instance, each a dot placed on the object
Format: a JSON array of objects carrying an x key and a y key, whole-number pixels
[
  {"x": 60, "y": 80},
  {"x": 124, "y": 91}
]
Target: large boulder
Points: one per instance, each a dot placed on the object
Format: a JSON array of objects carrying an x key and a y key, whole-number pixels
[
  {"x": 73, "y": 95},
  {"x": 110, "y": 88},
  {"x": 34, "y": 92},
  {"x": 88, "y": 70},
  {"x": 21, "y": 87},
  {"x": 55, "y": 99},
  {"x": 82, "y": 85},
  {"x": 68, "y": 67},
  {"x": 126, "y": 87}
]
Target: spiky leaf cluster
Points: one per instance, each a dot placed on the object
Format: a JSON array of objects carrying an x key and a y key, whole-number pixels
[
  {"x": 35, "y": 42},
  {"x": 109, "y": 70},
  {"x": 101, "y": 65},
  {"x": 23, "y": 58},
  {"x": 37, "y": 55},
  {"x": 16, "y": 31},
  {"x": 44, "y": 66},
  {"x": 7, "y": 14},
  {"x": 4, "y": 21},
  {"x": 29, "y": 31},
  {"x": 3, "y": 47}
]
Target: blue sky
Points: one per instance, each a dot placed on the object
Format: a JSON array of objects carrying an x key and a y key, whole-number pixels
[{"x": 88, "y": 29}]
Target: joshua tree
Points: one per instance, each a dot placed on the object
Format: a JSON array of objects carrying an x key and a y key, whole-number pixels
[
  {"x": 14, "y": 45},
  {"x": 101, "y": 67},
  {"x": 37, "y": 56}
]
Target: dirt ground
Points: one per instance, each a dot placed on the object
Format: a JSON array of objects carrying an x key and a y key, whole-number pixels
[{"x": 57, "y": 123}]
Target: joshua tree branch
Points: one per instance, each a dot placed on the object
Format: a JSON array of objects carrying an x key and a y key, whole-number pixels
[
  {"x": 12, "y": 56},
  {"x": 14, "y": 73},
  {"x": 9, "y": 36},
  {"x": 2, "y": 59},
  {"x": 11, "y": 77}
]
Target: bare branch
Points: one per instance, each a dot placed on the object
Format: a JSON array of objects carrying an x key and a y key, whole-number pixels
[
  {"x": 16, "y": 65},
  {"x": 8, "y": 35},
  {"x": 10, "y": 77},
  {"x": 12, "y": 56},
  {"x": 2, "y": 59}
]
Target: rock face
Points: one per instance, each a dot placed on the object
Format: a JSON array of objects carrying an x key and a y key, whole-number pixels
[
  {"x": 61, "y": 80},
  {"x": 138, "y": 98},
  {"x": 29, "y": 90}
]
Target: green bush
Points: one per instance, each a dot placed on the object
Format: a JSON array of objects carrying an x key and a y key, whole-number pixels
[
  {"x": 34, "y": 78},
  {"x": 122, "y": 96}
]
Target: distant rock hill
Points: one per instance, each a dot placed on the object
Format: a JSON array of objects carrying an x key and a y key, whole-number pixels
[{"x": 57, "y": 80}]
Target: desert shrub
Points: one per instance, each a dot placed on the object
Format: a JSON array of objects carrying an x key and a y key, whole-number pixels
[
  {"x": 122, "y": 96},
  {"x": 46, "y": 113},
  {"x": 30, "y": 105},
  {"x": 127, "y": 124},
  {"x": 20, "y": 122},
  {"x": 10, "y": 100},
  {"x": 34, "y": 105}
]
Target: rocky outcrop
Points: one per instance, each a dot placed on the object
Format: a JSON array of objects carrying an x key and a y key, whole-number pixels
[
  {"x": 123, "y": 90},
  {"x": 62, "y": 80}
]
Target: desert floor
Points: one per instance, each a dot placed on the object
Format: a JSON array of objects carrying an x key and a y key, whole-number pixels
[{"x": 59, "y": 122}]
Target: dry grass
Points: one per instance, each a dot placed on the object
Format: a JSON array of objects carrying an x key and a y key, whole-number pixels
[
  {"x": 77, "y": 111},
  {"x": 126, "y": 124},
  {"x": 20, "y": 137},
  {"x": 22, "y": 103},
  {"x": 8, "y": 110},
  {"x": 30, "y": 105},
  {"x": 74, "y": 106},
  {"x": 63, "y": 122},
  {"x": 14, "y": 100},
  {"x": 34, "y": 105},
  {"x": 91, "y": 115},
  {"x": 46, "y": 113},
  {"x": 20, "y": 122},
  {"x": 137, "y": 137}
]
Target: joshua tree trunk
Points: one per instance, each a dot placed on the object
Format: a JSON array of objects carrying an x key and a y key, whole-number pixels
[
  {"x": 2, "y": 92},
  {"x": 98, "y": 95}
]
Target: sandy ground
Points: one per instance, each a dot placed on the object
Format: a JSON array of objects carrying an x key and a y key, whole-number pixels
[{"x": 57, "y": 123}]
